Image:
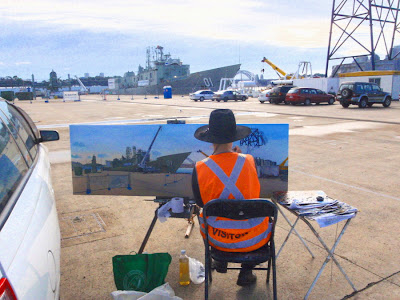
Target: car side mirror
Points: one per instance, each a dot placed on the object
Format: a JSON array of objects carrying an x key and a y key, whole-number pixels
[{"x": 49, "y": 135}]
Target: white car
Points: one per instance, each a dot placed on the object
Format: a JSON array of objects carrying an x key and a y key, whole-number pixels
[
  {"x": 202, "y": 95},
  {"x": 264, "y": 96},
  {"x": 29, "y": 228}
]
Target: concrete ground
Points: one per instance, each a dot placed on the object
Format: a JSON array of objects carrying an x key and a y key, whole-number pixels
[{"x": 351, "y": 154}]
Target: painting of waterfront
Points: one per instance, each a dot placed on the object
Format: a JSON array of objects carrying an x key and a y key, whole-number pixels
[{"x": 158, "y": 160}]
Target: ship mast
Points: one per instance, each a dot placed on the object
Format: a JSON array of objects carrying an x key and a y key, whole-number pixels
[{"x": 148, "y": 50}]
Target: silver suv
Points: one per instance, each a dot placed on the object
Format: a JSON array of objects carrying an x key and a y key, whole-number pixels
[{"x": 362, "y": 94}]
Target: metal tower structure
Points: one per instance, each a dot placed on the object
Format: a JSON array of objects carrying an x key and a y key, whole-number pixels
[{"x": 362, "y": 27}]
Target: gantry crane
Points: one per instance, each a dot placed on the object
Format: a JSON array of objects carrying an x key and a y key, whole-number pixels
[{"x": 304, "y": 68}]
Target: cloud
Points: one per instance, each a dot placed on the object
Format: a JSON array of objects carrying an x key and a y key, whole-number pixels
[
  {"x": 75, "y": 156},
  {"x": 20, "y": 63},
  {"x": 79, "y": 144},
  {"x": 271, "y": 23},
  {"x": 102, "y": 155}
]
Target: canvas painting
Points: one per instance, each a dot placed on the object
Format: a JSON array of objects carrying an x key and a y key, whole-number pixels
[{"x": 158, "y": 160}]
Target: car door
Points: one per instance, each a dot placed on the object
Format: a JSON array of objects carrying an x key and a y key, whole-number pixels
[
  {"x": 368, "y": 91},
  {"x": 284, "y": 91},
  {"x": 378, "y": 93},
  {"x": 321, "y": 97}
]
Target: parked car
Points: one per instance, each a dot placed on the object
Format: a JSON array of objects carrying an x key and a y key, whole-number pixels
[
  {"x": 278, "y": 93},
  {"x": 362, "y": 94},
  {"x": 202, "y": 95},
  {"x": 264, "y": 96},
  {"x": 229, "y": 95},
  {"x": 308, "y": 96},
  {"x": 29, "y": 228}
]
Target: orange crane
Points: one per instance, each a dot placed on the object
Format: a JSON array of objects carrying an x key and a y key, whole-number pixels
[
  {"x": 282, "y": 165},
  {"x": 276, "y": 68},
  {"x": 202, "y": 153}
]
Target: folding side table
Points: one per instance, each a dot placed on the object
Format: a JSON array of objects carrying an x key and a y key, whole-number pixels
[{"x": 277, "y": 198}]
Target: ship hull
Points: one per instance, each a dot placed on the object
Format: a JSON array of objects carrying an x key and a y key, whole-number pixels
[{"x": 208, "y": 79}]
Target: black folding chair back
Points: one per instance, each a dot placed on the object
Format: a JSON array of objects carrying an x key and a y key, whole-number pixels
[{"x": 241, "y": 210}]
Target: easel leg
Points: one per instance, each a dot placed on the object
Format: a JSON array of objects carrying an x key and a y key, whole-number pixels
[
  {"x": 189, "y": 229},
  {"x": 190, "y": 221},
  {"x": 146, "y": 238}
]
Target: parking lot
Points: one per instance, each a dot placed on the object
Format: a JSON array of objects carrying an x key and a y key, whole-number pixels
[{"x": 352, "y": 154}]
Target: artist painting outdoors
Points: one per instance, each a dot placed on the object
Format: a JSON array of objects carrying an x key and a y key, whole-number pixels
[{"x": 229, "y": 174}]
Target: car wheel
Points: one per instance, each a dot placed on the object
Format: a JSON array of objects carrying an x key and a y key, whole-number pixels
[
  {"x": 195, "y": 100},
  {"x": 307, "y": 102},
  {"x": 225, "y": 99},
  {"x": 345, "y": 104},
  {"x": 387, "y": 102},
  {"x": 286, "y": 103},
  {"x": 201, "y": 98},
  {"x": 244, "y": 98},
  {"x": 331, "y": 101},
  {"x": 363, "y": 103},
  {"x": 262, "y": 101},
  {"x": 316, "y": 103},
  {"x": 347, "y": 93},
  {"x": 218, "y": 100},
  {"x": 370, "y": 104}
]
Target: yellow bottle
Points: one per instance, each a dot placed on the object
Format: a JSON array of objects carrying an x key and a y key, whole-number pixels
[{"x": 184, "y": 278}]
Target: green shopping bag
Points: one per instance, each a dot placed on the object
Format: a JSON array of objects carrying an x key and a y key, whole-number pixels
[{"x": 140, "y": 272}]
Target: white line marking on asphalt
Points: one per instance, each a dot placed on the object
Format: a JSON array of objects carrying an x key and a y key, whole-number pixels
[
  {"x": 345, "y": 184},
  {"x": 346, "y": 127}
]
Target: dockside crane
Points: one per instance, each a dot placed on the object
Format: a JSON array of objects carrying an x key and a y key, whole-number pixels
[
  {"x": 84, "y": 89},
  {"x": 276, "y": 68},
  {"x": 143, "y": 164}
]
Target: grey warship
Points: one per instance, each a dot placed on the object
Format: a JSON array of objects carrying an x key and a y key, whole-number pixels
[{"x": 163, "y": 70}]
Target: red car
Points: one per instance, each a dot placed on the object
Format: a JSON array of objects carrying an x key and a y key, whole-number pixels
[{"x": 308, "y": 96}]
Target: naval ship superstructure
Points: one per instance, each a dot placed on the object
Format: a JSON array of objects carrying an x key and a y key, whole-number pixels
[{"x": 163, "y": 70}]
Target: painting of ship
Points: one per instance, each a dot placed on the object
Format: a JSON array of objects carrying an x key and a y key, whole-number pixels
[{"x": 163, "y": 70}]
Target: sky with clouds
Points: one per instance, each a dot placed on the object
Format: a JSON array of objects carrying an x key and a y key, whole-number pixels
[{"x": 77, "y": 37}]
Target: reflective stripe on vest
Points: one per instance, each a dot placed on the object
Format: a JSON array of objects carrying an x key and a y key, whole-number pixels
[
  {"x": 232, "y": 224},
  {"x": 239, "y": 245},
  {"x": 229, "y": 182}
]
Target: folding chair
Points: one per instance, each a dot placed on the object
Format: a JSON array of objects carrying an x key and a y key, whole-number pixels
[{"x": 241, "y": 210}]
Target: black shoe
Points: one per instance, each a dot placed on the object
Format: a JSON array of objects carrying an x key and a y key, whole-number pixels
[
  {"x": 220, "y": 267},
  {"x": 246, "y": 277}
]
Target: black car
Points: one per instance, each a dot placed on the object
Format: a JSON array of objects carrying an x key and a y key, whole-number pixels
[
  {"x": 229, "y": 95},
  {"x": 278, "y": 93},
  {"x": 362, "y": 94}
]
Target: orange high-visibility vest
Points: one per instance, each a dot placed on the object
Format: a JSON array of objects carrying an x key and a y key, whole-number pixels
[{"x": 231, "y": 176}]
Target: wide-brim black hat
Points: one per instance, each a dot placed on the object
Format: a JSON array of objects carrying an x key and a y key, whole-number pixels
[{"x": 221, "y": 128}]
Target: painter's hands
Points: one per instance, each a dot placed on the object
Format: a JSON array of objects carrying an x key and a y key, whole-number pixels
[{"x": 236, "y": 149}]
